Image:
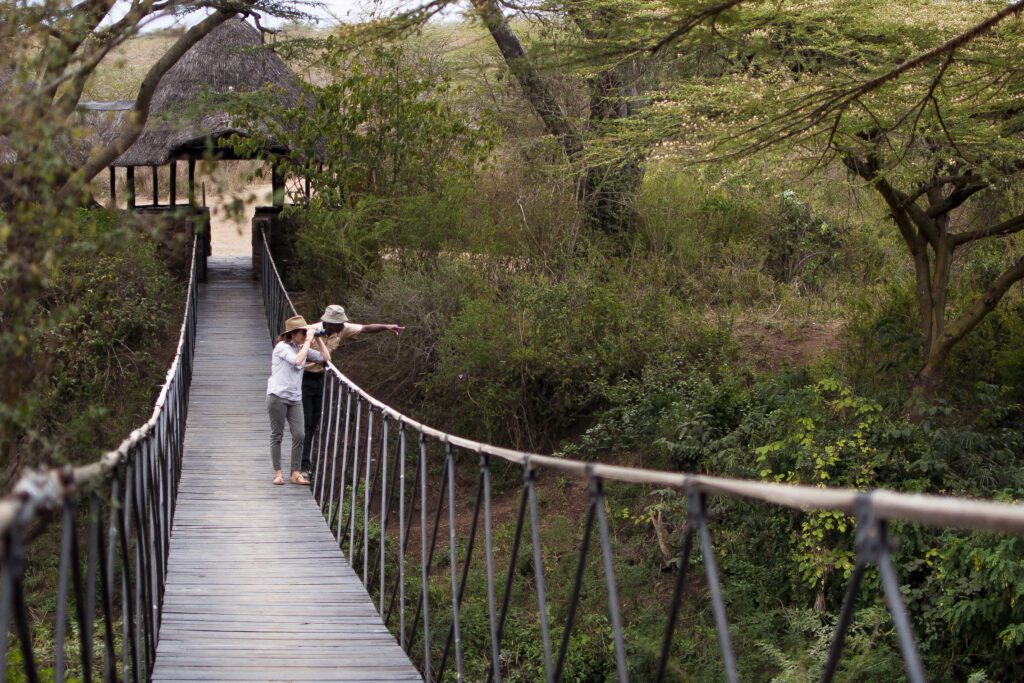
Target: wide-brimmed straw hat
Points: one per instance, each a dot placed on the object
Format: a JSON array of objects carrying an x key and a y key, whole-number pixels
[
  {"x": 334, "y": 314},
  {"x": 294, "y": 323}
]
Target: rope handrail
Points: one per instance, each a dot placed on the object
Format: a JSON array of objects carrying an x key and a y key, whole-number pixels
[
  {"x": 122, "y": 505},
  {"x": 373, "y": 451},
  {"x": 926, "y": 509},
  {"x": 933, "y": 510}
]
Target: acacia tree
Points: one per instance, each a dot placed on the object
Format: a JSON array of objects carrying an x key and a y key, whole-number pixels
[
  {"x": 613, "y": 50},
  {"x": 920, "y": 102},
  {"x": 51, "y": 50}
]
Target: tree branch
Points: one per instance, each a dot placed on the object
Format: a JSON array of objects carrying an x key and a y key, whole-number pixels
[
  {"x": 543, "y": 100},
  {"x": 1007, "y": 227},
  {"x": 955, "y": 199},
  {"x": 813, "y": 108},
  {"x": 985, "y": 303},
  {"x": 693, "y": 21},
  {"x": 102, "y": 158}
]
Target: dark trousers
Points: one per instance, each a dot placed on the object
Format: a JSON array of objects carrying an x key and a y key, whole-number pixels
[{"x": 312, "y": 406}]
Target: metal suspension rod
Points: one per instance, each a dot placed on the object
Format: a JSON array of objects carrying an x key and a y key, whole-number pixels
[
  {"x": 323, "y": 434},
  {"x": 334, "y": 451},
  {"x": 383, "y": 512},
  {"x": 453, "y": 628},
  {"x": 697, "y": 508},
  {"x": 577, "y": 586},
  {"x": 485, "y": 474},
  {"x": 366, "y": 495},
  {"x": 677, "y": 598},
  {"x": 316, "y": 441},
  {"x": 85, "y": 595},
  {"x": 433, "y": 546},
  {"x": 386, "y": 510},
  {"x": 21, "y": 625},
  {"x": 6, "y": 600},
  {"x": 350, "y": 526},
  {"x": 424, "y": 563},
  {"x": 405, "y": 536},
  {"x": 401, "y": 536},
  {"x": 609, "y": 576},
  {"x": 843, "y": 624},
  {"x": 64, "y": 576},
  {"x": 494, "y": 673},
  {"x": 344, "y": 466},
  {"x": 452, "y": 554},
  {"x": 538, "y": 571}
]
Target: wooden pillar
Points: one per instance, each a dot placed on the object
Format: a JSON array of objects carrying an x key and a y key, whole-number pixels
[
  {"x": 276, "y": 185},
  {"x": 192, "y": 182},
  {"x": 173, "y": 189},
  {"x": 113, "y": 187},
  {"x": 156, "y": 188},
  {"x": 307, "y": 191},
  {"x": 130, "y": 182}
]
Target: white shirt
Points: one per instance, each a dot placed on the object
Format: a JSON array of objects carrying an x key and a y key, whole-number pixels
[{"x": 285, "y": 374}]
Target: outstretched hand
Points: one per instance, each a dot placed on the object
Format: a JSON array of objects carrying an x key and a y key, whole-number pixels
[{"x": 396, "y": 329}]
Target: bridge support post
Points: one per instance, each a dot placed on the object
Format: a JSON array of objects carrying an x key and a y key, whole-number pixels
[
  {"x": 113, "y": 187},
  {"x": 130, "y": 182},
  {"x": 172, "y": 188}
]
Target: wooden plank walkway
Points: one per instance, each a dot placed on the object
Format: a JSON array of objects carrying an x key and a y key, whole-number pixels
[{"x": 257, "y": 590}]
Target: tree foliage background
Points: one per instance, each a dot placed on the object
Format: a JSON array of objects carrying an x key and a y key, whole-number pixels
[{"x": 771, "y": 240}]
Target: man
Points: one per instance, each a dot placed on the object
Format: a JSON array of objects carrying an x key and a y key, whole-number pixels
[{"x": 335, "y": 327}]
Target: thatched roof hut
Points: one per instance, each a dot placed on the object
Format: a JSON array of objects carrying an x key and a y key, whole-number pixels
[{"x": 230, "y": 59}]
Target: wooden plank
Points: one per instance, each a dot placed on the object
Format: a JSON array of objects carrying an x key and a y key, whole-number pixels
[{"x": 257, "y": 590}]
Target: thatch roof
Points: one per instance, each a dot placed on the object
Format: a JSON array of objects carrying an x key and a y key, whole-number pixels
[
  {"x": 97, "y": 124},
  {"x": 230, "y": 59}
]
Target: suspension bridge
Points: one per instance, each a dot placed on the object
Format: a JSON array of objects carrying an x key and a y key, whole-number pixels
[{"x": 180, "y": 561}]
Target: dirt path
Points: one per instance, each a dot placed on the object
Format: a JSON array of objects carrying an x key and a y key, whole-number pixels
[
  {"x": 231, "y": 213},
  {"x": 231, "y": 219}
]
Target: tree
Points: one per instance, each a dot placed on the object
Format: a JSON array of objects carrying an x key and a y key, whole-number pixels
[
  {"x": 599, "y": 39},
  {"x": 51, "y": 49},
  {"x": 375, "y": 144},
  {"x": 920, "y": 102}
]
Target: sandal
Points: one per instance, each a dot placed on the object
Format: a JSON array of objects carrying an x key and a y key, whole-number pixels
[
  {"x": 297, "y": 478},
  {"x": 278, "y": 479}
]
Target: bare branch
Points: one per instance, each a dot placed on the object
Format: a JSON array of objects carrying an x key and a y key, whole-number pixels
[
  {"x": 102, "y": 158},
  {"x": 985, "y": 303},
  {"x": 1007, "y": 227},
  {"x": 812, "y": 109},
  {"x": 955, "y": 199},
  {"x": 693, "y": 21},
  {"x": 544, "y": 102}
]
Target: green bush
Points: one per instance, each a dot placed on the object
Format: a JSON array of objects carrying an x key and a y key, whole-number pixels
[
  {"x": 531, "y": 356},
  {"x": 109, "y": 354}
]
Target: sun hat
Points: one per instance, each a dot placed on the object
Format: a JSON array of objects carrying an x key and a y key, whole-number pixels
[
  {"x": 294, "y": 323},
  {"x": 334, "y": 314}
]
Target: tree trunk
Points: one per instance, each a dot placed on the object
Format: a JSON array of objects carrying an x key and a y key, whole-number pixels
[
  {"x": 607, "y": 190},
  {"x": 610, "y": 189}
]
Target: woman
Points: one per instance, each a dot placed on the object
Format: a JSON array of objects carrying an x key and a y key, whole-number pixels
[{"x": 284, "y": 391}]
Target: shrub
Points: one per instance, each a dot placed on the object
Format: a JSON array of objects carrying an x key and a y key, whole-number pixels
[{"x": 109, "y": 353}]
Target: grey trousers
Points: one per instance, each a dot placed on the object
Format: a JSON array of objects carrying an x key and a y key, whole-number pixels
[{"x": 281, "y": 410}]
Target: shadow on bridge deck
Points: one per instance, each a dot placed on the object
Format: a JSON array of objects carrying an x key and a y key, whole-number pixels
[{"x": 257, "y": 590}]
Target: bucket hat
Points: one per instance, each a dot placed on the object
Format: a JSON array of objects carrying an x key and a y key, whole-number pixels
[
  {"x": 294, "y": 323},
  {"x": 334, "y": 314}
]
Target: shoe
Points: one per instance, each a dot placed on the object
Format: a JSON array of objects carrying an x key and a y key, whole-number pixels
[
  {"x": 299, "y": 478},
  {"x": 307, "y": 474}
]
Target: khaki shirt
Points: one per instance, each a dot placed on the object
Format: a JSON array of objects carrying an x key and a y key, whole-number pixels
[{"x": 332, "y": 341}]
